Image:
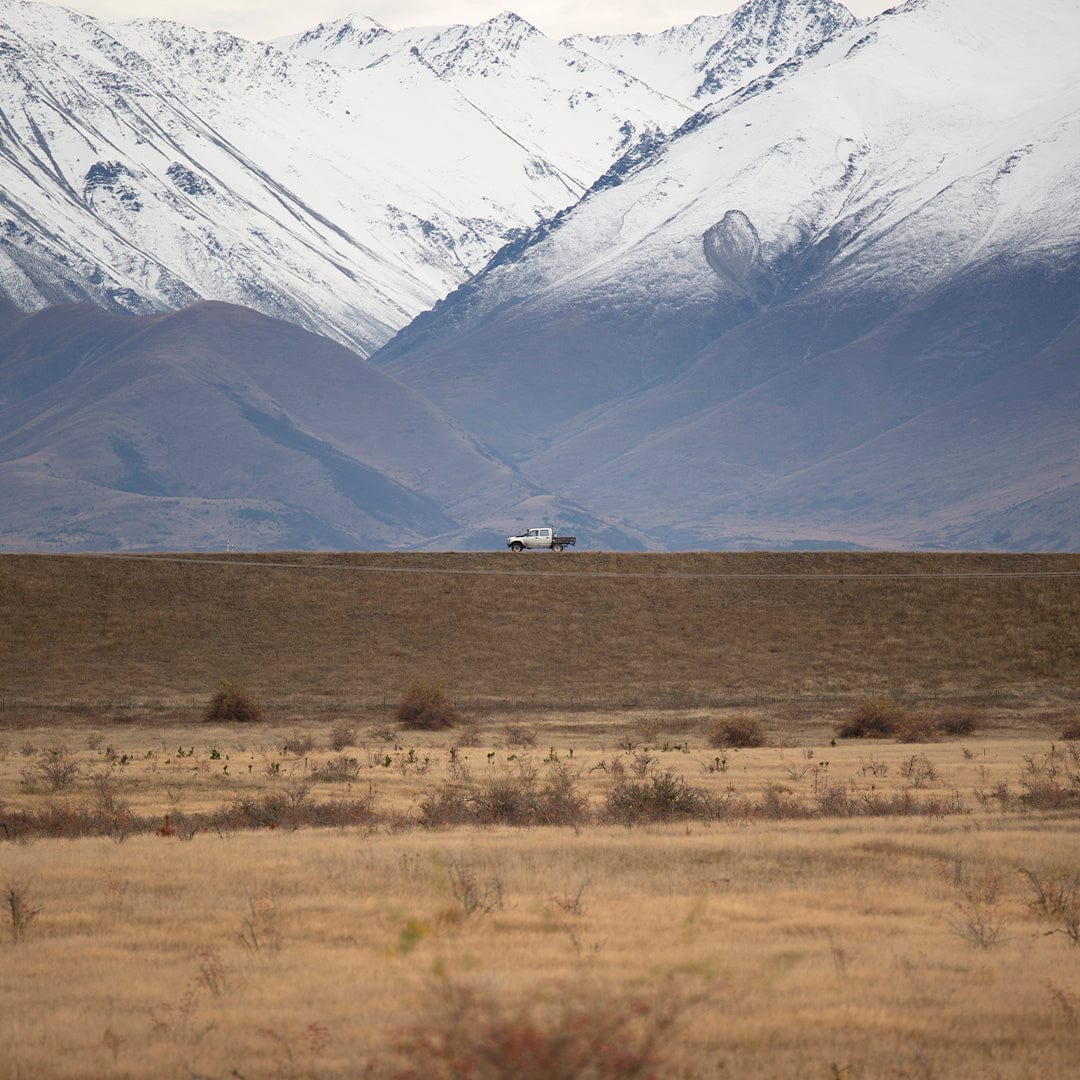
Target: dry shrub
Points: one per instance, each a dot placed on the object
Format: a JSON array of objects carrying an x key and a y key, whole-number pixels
[
  {"x": 341, "y": 769},
  {"x": 878, "y": 717},
  {"x": 299, "y": 743},
  {"x": 1051, "y": 780},
  {"x": 736, "y": 731},
  {"x": 292, "y": 810},
  {"x": 1071, "y": 730},
  {"x": 874, "y": 718},
  {"x": 426, "y": 707},
  {"x": 519, "y": 734},
  {"x": 58, "y": 767},
  {"x": 21, "y": 913},
  {"x": 342, "y": 734},
  {"x": 508, "y": 799},
  {"x": 445, "y": 806},
  {"x": 1056, "y": 895},
  {"x": 473, "y": 1036},
  {"x": 231, "y": 704},
  {"x": 917, "y": 727},
  {"x": 956, "y": 722},
  {"x": 663, "y": 796},
  {"x": 470, "y": 735}
]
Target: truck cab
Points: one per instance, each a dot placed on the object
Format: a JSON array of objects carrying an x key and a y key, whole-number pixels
[{"x": 534, "y": 538}]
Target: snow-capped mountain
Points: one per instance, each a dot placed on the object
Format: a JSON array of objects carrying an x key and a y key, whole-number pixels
[
  {"x": 576, "y": 114},
  {"x": 344, "y": 179},
  {"x": 717, "y": 54},
  {"x": 822, "y": 284},
  {"x": 741, "y": 334},
  {"x": 147, "y": 165}
]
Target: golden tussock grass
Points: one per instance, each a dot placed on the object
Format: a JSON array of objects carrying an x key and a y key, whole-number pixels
[{"x": 811, "y": 944}]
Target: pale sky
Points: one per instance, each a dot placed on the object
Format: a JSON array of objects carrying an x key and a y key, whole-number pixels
[{"x": 262, "y": 19}]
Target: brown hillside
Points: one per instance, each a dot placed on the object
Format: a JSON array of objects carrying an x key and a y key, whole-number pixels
[{"x": 578, "y": 629}]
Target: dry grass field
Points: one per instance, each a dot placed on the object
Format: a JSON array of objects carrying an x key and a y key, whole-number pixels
[
  {"x": 580, "y": 879},
  {"x": 540, "y": 630}
]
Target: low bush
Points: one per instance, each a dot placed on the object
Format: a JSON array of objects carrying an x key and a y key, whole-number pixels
[
  {"x": 956, "y": 722},
  {"x": 917, "y": 727},
  {"x": 472, "y": 1036},
  {"x": 342, "y": 734},
  {"x": 426, "y": 707},
  {"x": 341, "y": 769},
  {"x": 58, "y": 767},
  {"x": 1051, "y": 780},
  {"x": 508, "y": 799},
  {"x": 1071, "y": 731},
  {"x": 232, "y": 705},
  {"x": 874, "y": 718},
  {"x": 445, "y": 806},
  {"x": 517, "y": 734},
  {"x": 737, "y": 731},
  {"x": 664, "y": 795},
  {"x": 299, "y": 743}
]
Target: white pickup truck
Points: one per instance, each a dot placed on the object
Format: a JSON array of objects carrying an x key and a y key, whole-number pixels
[{"x": 540, "y": 538}]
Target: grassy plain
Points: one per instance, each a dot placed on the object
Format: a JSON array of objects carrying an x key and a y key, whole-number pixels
[
  {"x": 538, "y": 630},
  {"x": 864, "y": 909}
]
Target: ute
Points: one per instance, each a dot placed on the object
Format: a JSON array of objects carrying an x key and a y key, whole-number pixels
[{"x": 540, "y": 538}]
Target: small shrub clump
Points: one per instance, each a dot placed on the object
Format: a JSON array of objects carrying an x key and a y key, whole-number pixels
[
  {"x": 917, "y": 727},
  {"x": 1071, "y": 731},
  {"x": 955, "y": 722},
  {"x": 471, "y": 1036},
  {"x": 341, "y": 735},
  {"x": 299, "y": 743},
  {"x": 736, "y": 731},
  {"x": 663, "y": 796},
  {"x": 58, "y": 767},
  {"x": 508, "y": 799},
  {"x": 232, "y": 705},
  {"x": 874, "y": 718},
  {"x": 426, "y": 707},
  {"x": 878, "y": 718}
]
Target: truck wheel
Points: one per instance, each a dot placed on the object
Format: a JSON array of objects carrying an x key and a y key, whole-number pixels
[
  {"x": 516, "y": 547},
  {"x": 558, "y": 547}
]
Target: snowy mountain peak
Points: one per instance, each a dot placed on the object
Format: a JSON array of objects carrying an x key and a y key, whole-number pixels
[
  {"x": 764, "y": 33},
  {"x": 716, "y": 54},
  {"x": 510, "y": 20},
  {"x": 354, "y": 28},
  {"x": 351, "y": 31}
]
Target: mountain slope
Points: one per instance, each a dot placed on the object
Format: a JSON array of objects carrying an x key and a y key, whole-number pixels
[
  {"x": 149, "y": 164},
  {"x": 716, "y": 54},
  {"x": 861, "y": 239},
  {"x": 575, "y": 113},
  {"x": 216, "y": 424},
  {"x": 344, "y": 179}
]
